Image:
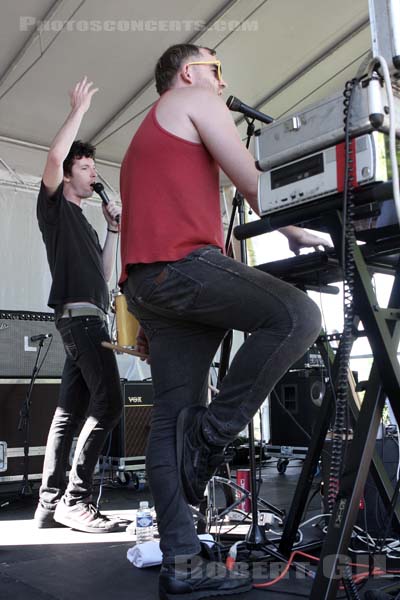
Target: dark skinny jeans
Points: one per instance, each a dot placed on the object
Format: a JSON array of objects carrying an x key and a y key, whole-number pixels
[
  {"x": 186, "y": 307},
  {"x": 90, "y": 387}
]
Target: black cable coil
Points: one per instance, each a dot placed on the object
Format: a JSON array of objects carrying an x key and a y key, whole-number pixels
[{"x": 339, "y": 432}]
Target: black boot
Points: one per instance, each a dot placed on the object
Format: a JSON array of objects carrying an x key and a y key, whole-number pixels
[
  {"x": 197, "y": 460},
  {"x": 197, "y": 577}
]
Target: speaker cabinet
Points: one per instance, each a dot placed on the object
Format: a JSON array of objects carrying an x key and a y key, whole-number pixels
[
  {"x": 18, "y": 354},
  {"x": 294, "y": 406},
  {"x": 129, "y": 438},
  {"x": 43, "y": 404}
]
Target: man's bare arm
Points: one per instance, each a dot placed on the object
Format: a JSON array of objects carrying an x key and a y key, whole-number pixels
[
  {"x": 81, "y": 97},
  {"x": 219, "y": 134}
]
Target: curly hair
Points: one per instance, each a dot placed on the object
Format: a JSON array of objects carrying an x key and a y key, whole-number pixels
[
  {"x": 78, "y": 149},
  {"x": 169, "y": 63}
]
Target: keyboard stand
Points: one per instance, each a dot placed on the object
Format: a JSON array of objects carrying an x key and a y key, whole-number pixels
[{"x": 381, "y": 326}]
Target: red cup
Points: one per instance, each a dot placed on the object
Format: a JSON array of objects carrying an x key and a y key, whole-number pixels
[{"x": 243, "y": 480}]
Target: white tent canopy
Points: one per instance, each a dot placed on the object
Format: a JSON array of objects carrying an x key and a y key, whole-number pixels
[{"x": 277, "y": 55}]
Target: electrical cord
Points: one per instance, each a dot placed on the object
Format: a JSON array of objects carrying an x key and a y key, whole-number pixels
[
  {"x": 359, "y": 577},
  {"x": 321, "y": 516},
  {"x": 398, "y": 462},
  {"x": 316, "y": 491},
  {"x": 328, "y": 365},
  {"x": 348, "y": 243},
  {"x": 44, "y": 356},
  {"x": 349, "y": 586},
  {"x": 112, "y": 327},
  {"x": 340, "y": 428},
  {"x": 116, "y": 262},
  {"x": 393, "y": 503}
]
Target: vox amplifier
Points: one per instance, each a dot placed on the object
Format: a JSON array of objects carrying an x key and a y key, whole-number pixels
[{"x": 129, "y": 438}]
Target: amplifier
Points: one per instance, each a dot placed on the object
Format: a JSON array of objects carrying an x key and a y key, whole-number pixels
[
  {"x": 18, "y": 353},
  {"x": 322, "y": 174},
  {"x": 43, "y": 404},
  {"x": 319, "y": 126},
  {"x": 129, "y": 438}
]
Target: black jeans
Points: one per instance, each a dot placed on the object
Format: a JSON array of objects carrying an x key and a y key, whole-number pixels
[
  {"x": 186, "y": 308},
  {"x": 90, "y": 387}
]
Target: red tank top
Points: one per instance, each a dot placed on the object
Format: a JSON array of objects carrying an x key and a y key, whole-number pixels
[{"x": 170, "y": 197}]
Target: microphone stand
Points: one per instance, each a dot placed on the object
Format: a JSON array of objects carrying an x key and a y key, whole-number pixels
[
  {"x": 256, "y": 537},
  {"x": 26, "y": 489}
]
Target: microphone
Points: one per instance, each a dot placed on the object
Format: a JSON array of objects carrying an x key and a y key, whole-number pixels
[
  {"x": 236, "y": 105},
  {"x": 40, "y": 337},
  {"x": 99, "y": 189}
]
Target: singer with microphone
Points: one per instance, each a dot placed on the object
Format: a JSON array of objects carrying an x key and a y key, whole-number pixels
[
  {"x": 187, "y": 294},
  {"x": 80, "y": 269}
]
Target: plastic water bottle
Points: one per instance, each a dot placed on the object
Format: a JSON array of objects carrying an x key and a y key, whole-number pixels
[{"x": 144, "y": 523}]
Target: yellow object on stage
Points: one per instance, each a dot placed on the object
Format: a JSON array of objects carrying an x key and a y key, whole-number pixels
[{"x": 127, "y": 325}]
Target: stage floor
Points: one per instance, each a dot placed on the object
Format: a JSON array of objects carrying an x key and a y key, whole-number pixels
[{"x": 61, "y": 564}]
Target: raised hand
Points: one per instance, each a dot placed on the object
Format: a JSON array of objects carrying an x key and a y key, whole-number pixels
[{"x": 81, "y": 95}]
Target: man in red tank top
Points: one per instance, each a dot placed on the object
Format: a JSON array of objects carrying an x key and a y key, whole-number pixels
[{"x": 187, "y": 295}]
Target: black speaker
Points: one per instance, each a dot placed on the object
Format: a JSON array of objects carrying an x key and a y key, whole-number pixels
[
  {"x": 375, "y": 511},
  {"x": 129, "y": 438},
  {"x": 294, "y": 406},
  {"x": 18, "y": 353},
  {"x": 43, "y": 404}
]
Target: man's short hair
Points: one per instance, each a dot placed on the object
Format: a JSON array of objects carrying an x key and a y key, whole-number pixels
[
  {"x": 78, "y": 150},
  {"x": 170, "y": 62}
]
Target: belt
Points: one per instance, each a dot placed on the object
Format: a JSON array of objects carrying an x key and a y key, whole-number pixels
[{"x": 82, "y": 312}]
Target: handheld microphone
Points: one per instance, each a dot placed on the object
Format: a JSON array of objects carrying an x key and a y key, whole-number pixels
[
  {"x": 40, "y": 337},
  {"x": 237, "y": 105},
  {"x": 99, "y": 189}
]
